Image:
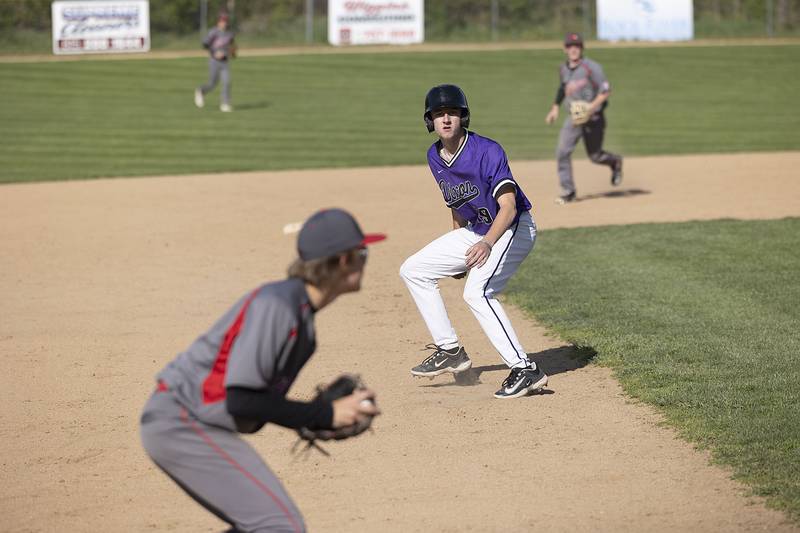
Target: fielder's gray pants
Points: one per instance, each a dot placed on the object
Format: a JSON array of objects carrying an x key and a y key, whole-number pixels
[
  {"x": 218, "y": 469},
  {"x": 592, "y": 133},
  {"x": 218, "y": 69}
]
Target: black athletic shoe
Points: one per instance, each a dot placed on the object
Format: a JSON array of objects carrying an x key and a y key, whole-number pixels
[
  {"x": 441, "y": 361},
  {"x": 567, "y": 198},
  {"x": 616, "y": 174},
  {"x": 521, "y": 381}
]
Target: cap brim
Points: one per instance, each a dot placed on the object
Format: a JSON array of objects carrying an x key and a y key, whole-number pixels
[{"x": 372, "y": 237}]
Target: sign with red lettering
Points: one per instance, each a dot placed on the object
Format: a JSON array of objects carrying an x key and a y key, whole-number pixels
[
  {"x": 376, "y": 22},
  {"x": 84, "y": 27}
]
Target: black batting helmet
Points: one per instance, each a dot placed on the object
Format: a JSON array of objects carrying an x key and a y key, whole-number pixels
[{"x": 446, "y": 96}]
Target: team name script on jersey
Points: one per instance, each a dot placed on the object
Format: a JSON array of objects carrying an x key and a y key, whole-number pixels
[
  {"x": 457, "y": 195},
  {"x": 574, "y": 86}
]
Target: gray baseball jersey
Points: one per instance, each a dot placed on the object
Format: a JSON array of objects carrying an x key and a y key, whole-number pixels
[
  {"x": 262, "y": 342},
  {"x": 219, "y": 41},
  {"x": 584, "y": 81}
]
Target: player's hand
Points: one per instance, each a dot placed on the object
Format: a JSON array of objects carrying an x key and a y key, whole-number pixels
[
  {"x": 351, "y": 409},
  {"x": 551, "y": 116},
  {"x": 219, "y": 54},
  {"x": 478, "y": 253}
]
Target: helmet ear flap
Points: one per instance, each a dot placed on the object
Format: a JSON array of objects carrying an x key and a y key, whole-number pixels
[{"x": 428, "y": 122}]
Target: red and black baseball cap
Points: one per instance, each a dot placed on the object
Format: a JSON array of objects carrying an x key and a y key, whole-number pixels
[
  {"x": 573, "y": 39},
  {"x": 332, "y": 231}
]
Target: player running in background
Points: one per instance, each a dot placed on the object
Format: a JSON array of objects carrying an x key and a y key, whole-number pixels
[
  {"x": 234, "y": 379},
  {"x": 221, "y": 49},
  {"x": 581, "y": 79},
  {"x": 493, "y": 232}
]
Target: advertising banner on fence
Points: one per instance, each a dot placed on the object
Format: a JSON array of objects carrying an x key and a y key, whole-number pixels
[
  {"x": 645, "y": 20},
  {"x": 375, "y": 22},
  {"x": 97, "y": 26}
]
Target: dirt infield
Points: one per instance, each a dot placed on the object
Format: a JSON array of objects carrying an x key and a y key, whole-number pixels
[
  {"x": 394, "y": 49},
  {"x": 104, "y": 281}
]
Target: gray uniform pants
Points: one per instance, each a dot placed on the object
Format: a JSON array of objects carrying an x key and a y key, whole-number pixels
[
  {"x": 592, "y": 133},
  {"x": 218, "y": 69},
  {"x": 218, "y": 469}
]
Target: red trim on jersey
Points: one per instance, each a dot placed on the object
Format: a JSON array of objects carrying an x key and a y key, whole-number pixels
[
  {"x": 161, "y": 387},
  {"x": 589, "y": 74},
  {"x": 214, "y": 384},
  {"x": 293, "y": 333},
  {"x": 214, "y": 446}
]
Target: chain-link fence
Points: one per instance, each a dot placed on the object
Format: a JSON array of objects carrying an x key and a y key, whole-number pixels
[{"x": 175, "y": 24}]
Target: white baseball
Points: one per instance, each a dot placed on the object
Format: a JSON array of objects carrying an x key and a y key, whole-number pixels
[{"x": 292, "y": 227}]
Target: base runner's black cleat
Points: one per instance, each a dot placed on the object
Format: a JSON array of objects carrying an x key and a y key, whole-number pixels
[
  {"x": 616, "y": 174},
  {"x": 441, "y": 361},
  {"x": 522, "y": 381}
]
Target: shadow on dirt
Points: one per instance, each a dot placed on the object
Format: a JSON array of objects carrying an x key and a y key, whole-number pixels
[
  {"x": 621, "y": 193},
  {"x": 553, "y": 361}
]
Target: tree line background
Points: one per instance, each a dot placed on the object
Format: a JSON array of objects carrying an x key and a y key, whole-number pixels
[{"x": 176, "y": 23}]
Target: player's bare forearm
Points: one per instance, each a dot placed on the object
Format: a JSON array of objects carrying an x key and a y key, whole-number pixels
[
  {"x": 599, "y": 100},
  {"x": 552, "y": 116},
  {"x": 505, "y": 216},
  {"x": 478, "y": 253}
]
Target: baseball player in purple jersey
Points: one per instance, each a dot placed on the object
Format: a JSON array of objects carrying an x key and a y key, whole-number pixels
[
  {"x": 493, "y": 232},
  {"x": 221, "y": 49},
  {"x": 581, "y": 79},
  {"x": 234, "y": 379}
]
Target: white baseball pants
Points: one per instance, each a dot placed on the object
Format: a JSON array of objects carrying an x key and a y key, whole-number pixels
[{"x": 445, "y": 257}]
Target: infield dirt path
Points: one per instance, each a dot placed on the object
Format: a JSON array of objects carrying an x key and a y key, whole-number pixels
[
  {"x": 105, "y": 281},
  {"x": 393, "y": 49}
]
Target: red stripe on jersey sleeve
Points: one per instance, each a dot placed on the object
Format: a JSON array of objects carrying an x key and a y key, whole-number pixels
[{"x": 214, "y": 384}]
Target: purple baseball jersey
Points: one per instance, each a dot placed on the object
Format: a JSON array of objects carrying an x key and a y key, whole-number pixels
[{"x": 470, "y": 181}]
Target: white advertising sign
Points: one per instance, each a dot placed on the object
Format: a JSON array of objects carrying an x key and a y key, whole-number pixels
[
  {"x": 375, "y": 22},
  {"x": 645, "y": 20},
  {"x": 82, "y": 27}
]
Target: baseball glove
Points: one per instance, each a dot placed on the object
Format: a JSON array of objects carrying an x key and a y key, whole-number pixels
[
  {"x": 342, "y": 386},
  {"x": 579, "y": 111}
]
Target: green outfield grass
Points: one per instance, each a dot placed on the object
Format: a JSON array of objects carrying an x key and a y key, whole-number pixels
[
  {"x": 83, "y": 119},
  {"x": 699, "y": 319}
]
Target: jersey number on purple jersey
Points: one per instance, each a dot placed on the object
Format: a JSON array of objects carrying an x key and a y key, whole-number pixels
[{"x": 484, "y": 215}]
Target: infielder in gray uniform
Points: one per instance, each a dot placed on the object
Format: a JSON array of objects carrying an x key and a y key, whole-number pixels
[
  {"x": 234, "y": 379},
  {"x": 581, "y": 80},
  {"x": 221, "y": 48}
]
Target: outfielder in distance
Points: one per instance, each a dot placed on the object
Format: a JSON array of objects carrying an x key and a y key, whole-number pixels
[
  {"x": 492, "y": 234},
  {"x": 234, "y": 379},
  {"x": 221, "y": 49},
  {"x": 585, "y": 90}
]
